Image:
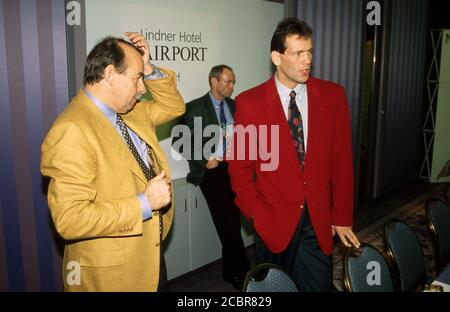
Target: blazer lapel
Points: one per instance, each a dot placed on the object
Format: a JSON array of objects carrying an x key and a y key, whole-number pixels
[
  {"x": 231, "y": 105},
  {"x": 210, "y": 113},
  {"x": 140, "y": 125},
  {"x": 137, "y": 120},
  {"x": 315, "y": 109},
  {"x": 110, "y": 135}
]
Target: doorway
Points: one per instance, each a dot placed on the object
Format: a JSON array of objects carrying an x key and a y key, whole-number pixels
[{"x": 371, "y": 121}]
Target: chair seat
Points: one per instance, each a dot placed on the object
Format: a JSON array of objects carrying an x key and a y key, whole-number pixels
[{"x": 267, "y": 277}]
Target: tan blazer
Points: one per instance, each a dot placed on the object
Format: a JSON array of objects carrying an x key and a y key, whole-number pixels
[{"x": 94, "y": 183}]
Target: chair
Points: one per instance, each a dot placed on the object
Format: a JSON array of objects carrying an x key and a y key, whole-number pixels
[
  {"x": 438, "y": 216},
  {"x": 268, "y": 277},
  {"x": 406, "y": 255},
  {"x": 366, "y": 270}
]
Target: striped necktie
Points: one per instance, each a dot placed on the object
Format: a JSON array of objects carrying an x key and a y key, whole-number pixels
[
  {"x": 148, "y": 172},
  {"x": 223, "y": 125}
]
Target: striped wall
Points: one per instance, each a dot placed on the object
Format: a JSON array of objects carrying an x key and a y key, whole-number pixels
[
  {"x": 33, "y": 90},
  {"x": 337, "y": 40},
  {"x": 401, "y": 147}
]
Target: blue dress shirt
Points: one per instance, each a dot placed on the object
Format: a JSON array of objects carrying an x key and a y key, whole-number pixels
[{"x": 230, "y": 121}]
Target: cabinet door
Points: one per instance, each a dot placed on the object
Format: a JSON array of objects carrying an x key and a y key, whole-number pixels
[
  {"x": 205, "y": 243},
  {"x": 176, "y": 245}
]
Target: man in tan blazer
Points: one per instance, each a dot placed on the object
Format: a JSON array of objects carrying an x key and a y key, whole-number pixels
[{"x": 112, "y": 212}]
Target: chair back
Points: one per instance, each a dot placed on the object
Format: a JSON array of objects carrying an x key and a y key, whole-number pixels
[
  {"x": 438, "y": 215},
  {"x": 406, "y": 255},
  {"x": 268, "y": 277},
  {"x": 366, "y": 270}
]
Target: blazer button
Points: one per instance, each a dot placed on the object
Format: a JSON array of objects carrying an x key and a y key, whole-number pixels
[
  {"x": 301, "y": 206},
  {"x": 304, "y": 182}
]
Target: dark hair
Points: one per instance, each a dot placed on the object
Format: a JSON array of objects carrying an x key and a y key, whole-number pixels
[
  {"x": 106, "y": 52},
  {"x": 287, "y": 27},
  {"x": 216, "y": 71}
]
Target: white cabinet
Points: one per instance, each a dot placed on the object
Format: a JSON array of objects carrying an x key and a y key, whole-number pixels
[
  {"x": 177, "y": 251},
  {"x": 205, "y": 243},
  {"x": 193, "y": 241}
]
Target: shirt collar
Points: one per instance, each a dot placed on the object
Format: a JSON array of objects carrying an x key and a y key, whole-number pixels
[
  {"x": 105, "y": 109},
  {"x": 284, "y": 91},
  {"x": 215, "y": 101}
]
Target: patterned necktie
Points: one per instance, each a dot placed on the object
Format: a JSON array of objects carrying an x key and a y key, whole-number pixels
[
  {"x": 223, "y": 125},
  {"x": 296, "y": 125},
  {"x": 148, "y": 172}
]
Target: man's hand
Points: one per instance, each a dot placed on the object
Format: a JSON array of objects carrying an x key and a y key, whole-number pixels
[
  {"x": 139, "y": 42},
  {"x": 213, "y": 162},
  {"x": 346, "y": 234},
  {"x": 158, "y": 192}
]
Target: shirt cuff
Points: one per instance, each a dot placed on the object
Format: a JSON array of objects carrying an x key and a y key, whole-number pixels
[
  {"x": 145, "y": 206},
  {"x": 157, "y": 74}
]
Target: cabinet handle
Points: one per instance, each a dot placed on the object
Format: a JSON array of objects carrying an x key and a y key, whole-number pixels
[
  {"x": 185, "y": 205},
  {"x": 196, "y": 202}
]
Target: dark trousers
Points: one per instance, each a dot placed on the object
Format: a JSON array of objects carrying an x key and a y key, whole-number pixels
[
  {"x": 216, "y": 188},
  {"x": 162, "y": 284},
  {"x": 308, "y": 266}
]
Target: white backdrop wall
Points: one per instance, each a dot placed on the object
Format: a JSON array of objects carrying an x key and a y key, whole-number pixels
[{"x": 190, "y": 37}]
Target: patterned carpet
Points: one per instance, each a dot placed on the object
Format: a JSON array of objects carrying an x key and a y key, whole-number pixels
[{"x": 413, "y": 214}]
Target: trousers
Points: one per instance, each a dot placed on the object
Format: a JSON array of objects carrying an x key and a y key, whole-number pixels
[
  {"x": 308, "y": 266},
  {"x": 216, "y": 188}
]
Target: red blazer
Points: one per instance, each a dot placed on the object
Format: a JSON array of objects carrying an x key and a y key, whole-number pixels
[{"x": 274, "y": 200}]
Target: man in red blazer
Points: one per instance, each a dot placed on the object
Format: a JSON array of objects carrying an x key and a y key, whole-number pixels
[{"x": 300, "y": 204}]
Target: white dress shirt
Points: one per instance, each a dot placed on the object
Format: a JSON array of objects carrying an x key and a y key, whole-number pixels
[{"x": 301, "y": 98}]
